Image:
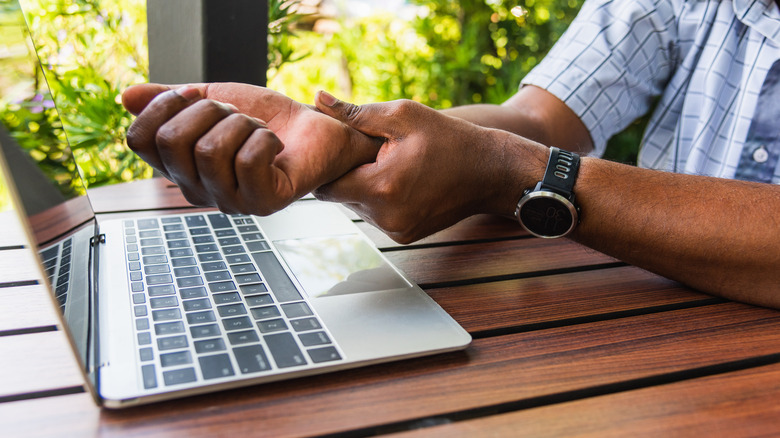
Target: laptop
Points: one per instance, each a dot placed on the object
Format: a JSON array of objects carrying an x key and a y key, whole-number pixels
[{"x": 162, "y": 307}]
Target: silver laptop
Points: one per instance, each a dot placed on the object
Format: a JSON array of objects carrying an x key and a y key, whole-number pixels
[{"x": 168, "y": 306}]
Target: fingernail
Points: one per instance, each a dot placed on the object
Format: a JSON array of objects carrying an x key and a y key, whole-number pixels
[
  {"x": 231, "y": 107},
  {"x": 262, "y": 123},
  {"x": 327, "y": 99},
  {"x": 188, "y": 92}
]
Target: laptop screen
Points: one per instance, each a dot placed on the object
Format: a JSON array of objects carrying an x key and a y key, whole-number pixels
[
  {"x": 41, "y": 167},
  {"x": 32, "y": 136}
]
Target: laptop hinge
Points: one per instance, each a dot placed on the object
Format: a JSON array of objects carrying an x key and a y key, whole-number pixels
[{"x": 97, "y": 240}]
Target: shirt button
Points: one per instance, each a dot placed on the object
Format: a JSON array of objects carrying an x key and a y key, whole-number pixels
[{"x": 760, "y": 155}]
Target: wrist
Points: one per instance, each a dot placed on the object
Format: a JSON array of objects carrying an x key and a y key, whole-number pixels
[{"x": 522, "y": 165}]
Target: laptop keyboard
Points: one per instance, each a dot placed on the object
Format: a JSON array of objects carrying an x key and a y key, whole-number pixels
[
  {"x": 56, "y": 262},
  {"x": 211, "y": 300}
]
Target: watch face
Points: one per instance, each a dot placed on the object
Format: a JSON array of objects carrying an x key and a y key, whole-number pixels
[{"x": 547, "y": 214}]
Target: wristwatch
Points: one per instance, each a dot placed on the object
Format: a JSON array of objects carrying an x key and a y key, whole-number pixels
[{"x": 548, "y": 210}]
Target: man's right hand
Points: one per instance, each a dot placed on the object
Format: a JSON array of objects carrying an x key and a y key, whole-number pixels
[{"x": 241, "y": 148}]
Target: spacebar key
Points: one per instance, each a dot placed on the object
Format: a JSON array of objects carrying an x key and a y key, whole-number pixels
[
  {"x": 284, "y": 350},
  {"x": 283, "y": 289}
]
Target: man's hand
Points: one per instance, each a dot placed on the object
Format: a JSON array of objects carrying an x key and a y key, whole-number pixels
[
  {"x": 432, "y": 171},
  {"x": 238, "y": 147}
]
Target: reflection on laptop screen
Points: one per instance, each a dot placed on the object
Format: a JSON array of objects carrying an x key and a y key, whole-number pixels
[{"x": 33, "y": 137}]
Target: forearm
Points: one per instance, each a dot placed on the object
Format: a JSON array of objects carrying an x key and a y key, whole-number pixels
[
  {"x": 532, "y": 113},
  {"x": 716, "y": 235}
]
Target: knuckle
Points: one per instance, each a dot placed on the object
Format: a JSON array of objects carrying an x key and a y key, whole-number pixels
[
  {"x": 401, "y": 107},
  {"x": 166, "y": 136}
]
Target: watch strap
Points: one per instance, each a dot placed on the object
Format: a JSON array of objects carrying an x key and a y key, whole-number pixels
[{"x": 561, "y": 172}]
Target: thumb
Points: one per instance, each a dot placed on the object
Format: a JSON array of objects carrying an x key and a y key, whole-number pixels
[
  {"x": 364, "y": 118},
  {"x": 136, "y": 97}
]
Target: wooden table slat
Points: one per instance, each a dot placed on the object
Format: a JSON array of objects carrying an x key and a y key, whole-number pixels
[
  {"x": 26, "y": 307},
  {"x": 739, "y": 403},
  {"x": 19, "y": 265},
  {"x": 455, "y": 264},
  {"x": 36, "y": 362},
  {"x": 554, "y": 298}
]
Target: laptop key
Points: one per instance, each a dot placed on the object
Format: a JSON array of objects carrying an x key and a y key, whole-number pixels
[
  {"x": 200, "y": 231},
  {"x": 209, "y": 346},
  {"x": 259, "y": 300},
  {"x": 284, "y": 350},
  {"x": 219, "y": 220},
  {"x": 175, "y": 359},
  {"x": 195, "y": 221},
  {"x": 248, "y": 278},
  {"x": 172, "y": 343},
  {"x": 225, "y": 232},
  {"x": 238, "y": 258},
  {"x": 231, "y": 310},
  {"x": 201, "y": 317},
  {"x": 281, "y": 286},
  {"x": 265, "y": 312},
  {"x": 305, "y": 324},
  {"x": 149, "y": 376},
  {"x": 189, "y": 281},
  {"x": 217, "y": 276},
  {"x": 145, "y": 224},
  {"x": 272, "y": 325},
  {"x": 324, "y": 354},
  {"x": 166, "y": 289},
  {"x": 163, "y": 302},
  {"x": 205, "y": 331},
  {"x": 254, "y": 289},
  {"x": 214, "y": 367},
  {"x": 244, "y": 337},
  {"x": 180, "y": 252},
  {"x": 177, "y": 377},
  {"x": 228, "y": 298},
  {"x": 152, "y": 280},
  {"x": 214, "y": 266},
  {"x": 296, "y": 310},
  {"x": 242, "y": 322},
  {"x": 186, "y": 271},
  {"x": 184, "y": 261},
  {"x": 251, "y": 359},
  {"x": 194, "y": 292},
  {"x": 312, "y": 339},
  {"x": 200, "y": 304},
  {"x": 169, "y": 328},
  {"x": 165, "y": 315}
]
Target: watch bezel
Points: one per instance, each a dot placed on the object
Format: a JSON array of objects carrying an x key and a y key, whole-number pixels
[{"x": 543, "y": 193}]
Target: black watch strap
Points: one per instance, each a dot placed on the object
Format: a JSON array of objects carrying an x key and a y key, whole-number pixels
[{"x": 561, "y": 172}]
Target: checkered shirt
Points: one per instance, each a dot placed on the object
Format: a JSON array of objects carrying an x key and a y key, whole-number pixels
[{"x": 703, "y": 61}]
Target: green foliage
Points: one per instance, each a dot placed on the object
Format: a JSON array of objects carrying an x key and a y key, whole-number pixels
[{"x": 282, "y": 17}]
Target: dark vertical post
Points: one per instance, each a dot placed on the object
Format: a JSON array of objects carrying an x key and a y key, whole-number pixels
[{"x": 208, "y": 41}]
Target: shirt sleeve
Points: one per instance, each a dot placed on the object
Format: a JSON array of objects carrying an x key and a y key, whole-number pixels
[{"x": 615, "y": 57}]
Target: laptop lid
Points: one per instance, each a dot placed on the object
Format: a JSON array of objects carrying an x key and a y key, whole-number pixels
[{"x": 41, "y": 174}]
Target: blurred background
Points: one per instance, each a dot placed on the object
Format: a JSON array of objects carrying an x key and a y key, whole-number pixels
[{"x": 441, "y": 53}]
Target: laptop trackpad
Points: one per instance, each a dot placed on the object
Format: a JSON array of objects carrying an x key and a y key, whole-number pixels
[{"x": 338, "y": 265}]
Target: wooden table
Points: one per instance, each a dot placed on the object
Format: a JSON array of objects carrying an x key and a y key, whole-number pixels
[{"x": 567, "y": 341}]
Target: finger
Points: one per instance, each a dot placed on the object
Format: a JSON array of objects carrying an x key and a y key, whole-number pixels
[
  {"x": 141, "y": 136},
  {"x": 351, "y": 188},
  {"x": 176, "y": 143},
  {"x": 369, "y": 119},
  {"x": 215, "y": 156},
  {"x": 136, "y": 97},
  {"x": 259, "y": 180}
]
